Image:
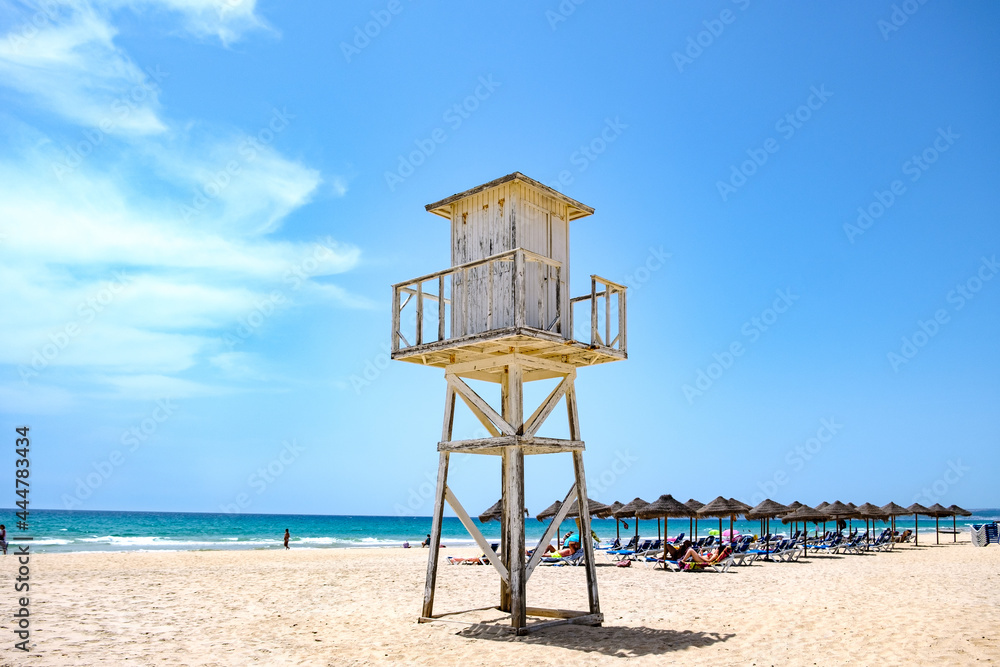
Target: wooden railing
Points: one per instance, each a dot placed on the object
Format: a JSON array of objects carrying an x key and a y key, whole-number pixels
[
  {"x": 513, "y": 289},
  {"x": 490, "y": 293},
  {"x": 613, "y": 296}
]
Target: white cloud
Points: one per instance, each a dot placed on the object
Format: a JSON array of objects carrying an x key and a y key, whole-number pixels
[
  {"x": 124, "y": 265},
  {"x": 338, "y": 185},
  {"x": 144, "y": 291},
  {"x": 154, "y": 387},
  {"x": 227, "y": 20},
  {"x": 71, "y": 66}
]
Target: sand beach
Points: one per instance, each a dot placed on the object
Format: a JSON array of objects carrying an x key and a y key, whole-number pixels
[{"x": 934, "y": 605}]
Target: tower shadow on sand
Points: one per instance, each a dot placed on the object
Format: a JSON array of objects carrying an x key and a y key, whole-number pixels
[{"x": 615, "y": 641}]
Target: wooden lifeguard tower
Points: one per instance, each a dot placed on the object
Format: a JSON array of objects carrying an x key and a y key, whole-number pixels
[{"x": 502, "y": 313}]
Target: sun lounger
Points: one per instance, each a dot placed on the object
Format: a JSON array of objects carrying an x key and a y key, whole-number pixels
[
  {"x": 721, "y": 562},
  {"x": 619, "y": 554},
  {"x": 614, "y": 544},
  {"x": 572, "y": 559}
]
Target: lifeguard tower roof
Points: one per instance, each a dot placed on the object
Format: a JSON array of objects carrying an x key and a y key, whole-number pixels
[{"x": 575, "y": 208}]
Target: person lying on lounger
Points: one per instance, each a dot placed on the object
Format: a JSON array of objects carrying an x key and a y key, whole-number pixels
[
  {"x": 692, "y": 556},
  {"x": 571, "y": 548},
  {"x": 671, "y": 552},
  {"x": 481, "y": 560}
]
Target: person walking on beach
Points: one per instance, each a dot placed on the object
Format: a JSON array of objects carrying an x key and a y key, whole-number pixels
[
  {"x": 287, "y": 536},
  {"x": 3, "y": 538}
]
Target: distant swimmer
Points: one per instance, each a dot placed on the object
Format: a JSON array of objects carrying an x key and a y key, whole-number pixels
[{"x": 287, "y": 537}]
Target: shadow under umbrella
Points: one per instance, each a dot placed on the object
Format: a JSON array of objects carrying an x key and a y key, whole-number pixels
[
  {"x": 694, "y": 506},
  {"x": 805, "y": 514},
  {"x": 766, "y": 510},
  {"x": 873, "y": 512},
  {"x": 956, "y": 511},
  {"x": 916, "y": 509},
  {"x": 937, "y": 510}
]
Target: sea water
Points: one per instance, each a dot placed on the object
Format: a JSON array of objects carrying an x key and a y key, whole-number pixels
[{"x": 56, "y": 531}]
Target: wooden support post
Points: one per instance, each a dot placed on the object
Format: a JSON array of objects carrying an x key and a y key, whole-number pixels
[
  {"x": 432, "y": 557},
  {"x": 515, "y": 520},
  {"x": 439, "y": 500},
  {"x": 587, "y": 542},
  {"x": 504, "y": 531},
  {"x": 512, "y": 389},
  {"x": 504, "y": 515},
  {"x": 449, "y": 414}
]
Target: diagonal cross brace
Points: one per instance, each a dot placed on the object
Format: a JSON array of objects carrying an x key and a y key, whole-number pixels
[
  {"x": 481, "y": 408},
  {"x": 550, "y": 531},
  {"x": 545, "y": 409},
  {"x": 463, "y": 516}
]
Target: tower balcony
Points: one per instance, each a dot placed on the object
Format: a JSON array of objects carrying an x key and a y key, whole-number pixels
[{"x": 511, "y": 302}]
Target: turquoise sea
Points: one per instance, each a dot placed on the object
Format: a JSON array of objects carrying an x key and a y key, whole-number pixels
[{"x": 71, "y": 530}]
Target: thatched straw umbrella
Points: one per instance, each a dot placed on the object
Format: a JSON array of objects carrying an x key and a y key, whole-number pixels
[
  {"x": 822, "y": 506},
  {"x": 794, "y": 505},
  {"x": 839, "y": 511},
  {"x": 631, "y": 510},
  {"x": 665, "y": 506},
  {"x": 694, "y": 506},
  {"x": 805, "y": 514},
  {"x": 721, "y": 507},
  {"x": 549, "y": 512},
  {"x": 873, "y": 512},
  {"x": 956, "y": 511},
  {"x": 608, "y": 511},
  {"x": 892, "y": 510},
  {"x": 916, "y": 509},
  {"x": 937, "y": 510},
  {"x": 493, "y": 513},
  {"x": 593, "y": 507},
  {"x": 765, "y": 511}
]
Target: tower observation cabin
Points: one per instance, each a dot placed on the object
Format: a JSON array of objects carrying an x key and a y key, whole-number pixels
[{"x": 503, "y": 313}]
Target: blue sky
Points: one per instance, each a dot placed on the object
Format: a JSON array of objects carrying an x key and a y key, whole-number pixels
[{"x": 203, "y": 205}]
